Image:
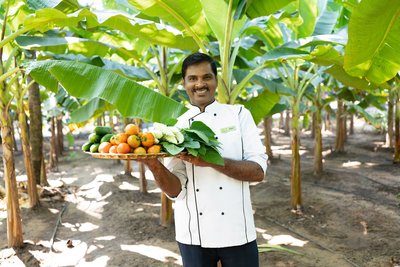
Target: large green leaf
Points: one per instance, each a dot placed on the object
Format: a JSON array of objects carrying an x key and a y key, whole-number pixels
[
  {"x": 93, "y": 107},
  {"x": 327, "y": 21},
  {"x": 131, "y": 72},
  {"x": 285, "y": 53},
  {"x": 185, "y": 15},
  {"x": 324, "y": 39},
  {"x": 71, "y": 44},
  {"x": 342, "y": 76},
  {"x": 261, "y": 105},
  {"x": 130, "y": 98},
  {"x": 48, "y": 18},
  {"x": 373, "y": 50},
  {"x": 146, "y": 30},
  {"x": 326, "y": 55},
  {"x": 308, "y": 11},
  {"x": 258, "y": 8},
  {"x": 217, "y": 14},
  {"x": 66, "y": 6},
  {"x": 39, "y": 71}
]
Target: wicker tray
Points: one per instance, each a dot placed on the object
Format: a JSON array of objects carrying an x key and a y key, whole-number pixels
[{"x": 131, "y": 155}]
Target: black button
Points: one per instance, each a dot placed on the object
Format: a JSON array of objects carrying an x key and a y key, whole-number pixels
[
  {"x": 222, "y": 213},
  {"x": 197, "y": 190},
  {"x": 216, "y": 137},
  {"x": 220, "y": 188},
  {"x": 192, "y": 119},
  {"x": 201, "y": 213},
  {"x": 215, "y": 114}
]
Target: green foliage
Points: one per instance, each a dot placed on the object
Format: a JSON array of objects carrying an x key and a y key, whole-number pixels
[
  {"x": 126, "y": 95},
  {"x": 199, "y": 141}
]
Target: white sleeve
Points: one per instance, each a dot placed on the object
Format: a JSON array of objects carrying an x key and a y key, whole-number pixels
[
  {"x": 253, "y": 149},
  {"x": 177, "y": 167}
]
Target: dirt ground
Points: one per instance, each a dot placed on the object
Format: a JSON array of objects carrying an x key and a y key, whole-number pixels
[{"x": 351, "y": 212}]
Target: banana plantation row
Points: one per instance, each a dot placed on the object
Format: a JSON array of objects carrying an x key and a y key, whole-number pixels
[{"x": 67, "y": 63}]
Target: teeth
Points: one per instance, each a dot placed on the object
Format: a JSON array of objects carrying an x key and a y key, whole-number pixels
[{"x": 201, "y": 90}]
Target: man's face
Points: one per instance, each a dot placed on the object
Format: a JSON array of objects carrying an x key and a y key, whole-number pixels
[{"x": 200, "y": 84}]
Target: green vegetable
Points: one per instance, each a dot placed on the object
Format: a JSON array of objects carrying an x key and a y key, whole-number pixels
[
  {"x": 94, "y": 148},
  {"x": 94, "y": 138},
  {"x": 86, "y": 146},
  {"x": 106, "y": 138},
  {"x": 102, "y": 130},
  {"x": 198, "y": 140}
]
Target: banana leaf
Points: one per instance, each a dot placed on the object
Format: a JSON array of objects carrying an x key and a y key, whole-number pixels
[
  {"x": 85, "y": 81},
  {"x": 373, "y": 49}
]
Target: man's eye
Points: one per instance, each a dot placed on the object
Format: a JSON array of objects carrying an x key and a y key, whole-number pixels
[{"x": 192, "y": 79}]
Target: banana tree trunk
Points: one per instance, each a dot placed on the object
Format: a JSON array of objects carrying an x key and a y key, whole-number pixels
[
  {"x": 60, "y": 135},
  {"x": 313, "y": 125},
  {"x": 318, "y": 165},
  {"x": 14, "y": 224},
  {"x": 32, "y": 190},
  {"x": 35, "y": 130},
  {"x": 267, "y": 136},
  {"x": 166, "y": 215},
  {"x": 53, "y": 145},
  {"x": 281, "y": 120},
  {"x": 328, "y": 124},
  {"x": 287, "y": 123},
  {"x": 296, "y": 175},
  {"x": 390, "y": 124},
  {"x": 13, "y": 133},
  {"x": 396, "y": 158},
  {"x": 351, "y": 130},
  {"x": 340, "y": 130},
  {"x": 43, "y": 174}
]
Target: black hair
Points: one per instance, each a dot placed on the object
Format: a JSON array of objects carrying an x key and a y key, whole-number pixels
[{"x": 197, "y": 58}]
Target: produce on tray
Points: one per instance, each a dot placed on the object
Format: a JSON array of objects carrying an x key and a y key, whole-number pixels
[{"x": 197, "y": 140}]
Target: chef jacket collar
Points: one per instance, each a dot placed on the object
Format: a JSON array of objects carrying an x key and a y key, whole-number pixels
[{"x": 212, "y": 107}]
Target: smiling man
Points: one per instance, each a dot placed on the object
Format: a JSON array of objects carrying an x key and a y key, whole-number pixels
[{"x": 213, "y": 212}]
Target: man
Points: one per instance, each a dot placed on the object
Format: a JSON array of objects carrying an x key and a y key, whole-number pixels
[{"x": 213, "y": 213}]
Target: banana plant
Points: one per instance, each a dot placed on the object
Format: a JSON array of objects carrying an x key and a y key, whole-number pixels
[
  {"x": 225, "y": 21},
  {"x": 19, "y": 87},
  {"x": 8, "y": 74},
  {"x": 373, "y": 49}
]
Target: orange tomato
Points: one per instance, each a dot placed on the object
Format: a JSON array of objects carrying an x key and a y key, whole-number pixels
[
  {"x": 121, "y": 138},
  {"x": 147, "y": 139},
  {"x": 133, "y": 141},
  {"x": 112, "y": 139},
  {"x": 132, "y": 129},
  {"x": 123, "y": 148},
  {"x": 105, "y": 147},
  {"x": 139, "y": 150},
  {"x": 113, "y": 149},
  {"x": 154, "y": 149}
]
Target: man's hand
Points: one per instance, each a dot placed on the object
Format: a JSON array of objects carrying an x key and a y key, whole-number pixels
[{"x": 195, "y": 160}]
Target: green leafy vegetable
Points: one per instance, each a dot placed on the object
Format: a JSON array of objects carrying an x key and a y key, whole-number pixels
[{"x": 198, "y": 140}]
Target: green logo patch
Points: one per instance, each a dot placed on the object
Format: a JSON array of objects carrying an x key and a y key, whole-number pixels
[{"x": 228, "y": 129}]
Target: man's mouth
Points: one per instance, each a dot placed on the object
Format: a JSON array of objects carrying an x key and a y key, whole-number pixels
[{"x": 200, "y": 90}]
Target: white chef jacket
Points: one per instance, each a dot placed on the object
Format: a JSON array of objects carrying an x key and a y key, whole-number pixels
[{"x": 214, "y": 210}]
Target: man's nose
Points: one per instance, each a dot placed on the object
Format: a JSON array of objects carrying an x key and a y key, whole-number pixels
[{"x": 200, "y": 83}]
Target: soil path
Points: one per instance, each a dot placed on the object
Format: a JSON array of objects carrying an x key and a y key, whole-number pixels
[{"x": 351, "y": 212}]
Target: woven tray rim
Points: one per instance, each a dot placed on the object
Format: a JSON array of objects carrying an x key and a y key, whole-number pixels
[{"x": 131, "y": 155}]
